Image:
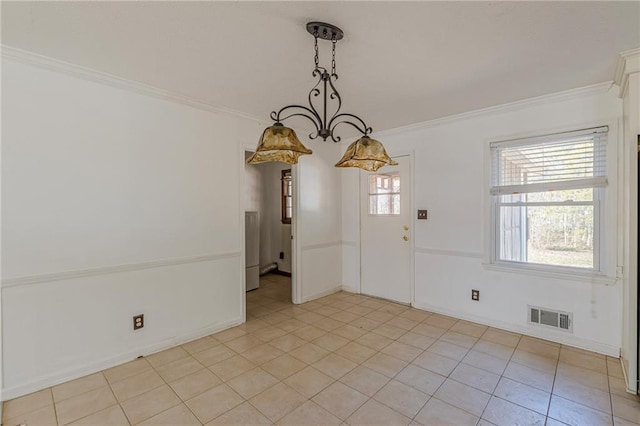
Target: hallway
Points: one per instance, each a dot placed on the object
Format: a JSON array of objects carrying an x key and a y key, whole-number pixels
[{"x": 273, "y": 294}]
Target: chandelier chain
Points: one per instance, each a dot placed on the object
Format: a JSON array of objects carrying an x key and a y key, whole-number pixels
[
  {"x": 316, "y": 58},
  {"x": 333, "y": 54}
]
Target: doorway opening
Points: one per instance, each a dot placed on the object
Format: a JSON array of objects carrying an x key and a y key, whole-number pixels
[
  {"x": 274, "y": 292},
  {"x": 269, "y": 212}
]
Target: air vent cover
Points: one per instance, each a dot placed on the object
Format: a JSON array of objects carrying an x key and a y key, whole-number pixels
[{"x": 550, "y": 318}]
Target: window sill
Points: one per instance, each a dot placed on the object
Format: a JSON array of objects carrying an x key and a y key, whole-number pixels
[{"x": 589, "y": 277}]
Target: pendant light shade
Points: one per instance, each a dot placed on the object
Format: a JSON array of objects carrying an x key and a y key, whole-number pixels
[
  {"x": 367, "y": 154},
  {"x": 278, "y": 143}
]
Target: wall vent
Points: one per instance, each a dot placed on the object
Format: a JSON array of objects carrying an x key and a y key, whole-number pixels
[{"x": 550, "y": 318}]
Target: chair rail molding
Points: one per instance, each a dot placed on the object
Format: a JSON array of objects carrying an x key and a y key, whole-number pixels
[{"x": 104, "y": 270}]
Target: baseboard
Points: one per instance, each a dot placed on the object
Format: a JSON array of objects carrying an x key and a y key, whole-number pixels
[
  {"x": 94, "y": 367},
  {"x": 283, "y": 273},
  {"x": 349, "y": 289},
  {"x": 321, "y": 294},
  {"x": 626, "y": 379},
  {"x": 569, "y": 340}
]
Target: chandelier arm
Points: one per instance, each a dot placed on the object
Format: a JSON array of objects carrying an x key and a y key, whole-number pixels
[
  {"x": 276, "y": 116},
  {"x": 344, "y": 119},
  {"x": 315, "y": 92},
  {"x": 334, "y": 95},
  {"x": 313, "y": 117}
]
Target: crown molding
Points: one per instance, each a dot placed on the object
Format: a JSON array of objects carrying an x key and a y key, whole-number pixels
[
  {"x": 512, "y": 106},
  {"x": 628, "y": 63},
  {"x": 90, "y": 74}
]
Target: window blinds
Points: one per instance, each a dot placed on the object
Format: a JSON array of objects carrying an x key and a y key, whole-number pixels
[{"x": 554, "y": 162}]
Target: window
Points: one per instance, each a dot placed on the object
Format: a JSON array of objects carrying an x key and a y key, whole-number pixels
[
  {"x": 384, "y": 194},
  {"x": 546, "y": 199},
  {"x": 287, "y": 196}
]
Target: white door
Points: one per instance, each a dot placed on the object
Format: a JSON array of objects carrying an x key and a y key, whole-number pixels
[{"x": 386, "y": 245}]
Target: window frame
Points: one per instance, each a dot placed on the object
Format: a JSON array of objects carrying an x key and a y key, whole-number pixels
[
  {"x": 493, "y": 258},
  {"x": 390, "y": 194},
  {"x": 286, "y": 182}
]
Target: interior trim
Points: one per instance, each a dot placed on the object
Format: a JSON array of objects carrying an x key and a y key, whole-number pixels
[
  {"x": 104, "y": 270},
  {"x": 321, "y": 245},
  {"x": 558, "y": 337},
  {"x": 89, "y": 74},
  {"x": 513, "y": 106},
  {"x": 628, "y": 63},
  {"x": 321, "y": 294},
  {"x": 453, "y": 253},
  {"x": 560, "y": 275},
  {"x": 85, "y": 369}
]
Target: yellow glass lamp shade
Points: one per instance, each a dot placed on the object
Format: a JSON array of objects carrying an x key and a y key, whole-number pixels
[
  {"x": 278, "y": 143},
  {"x": 367, "y": 154}
]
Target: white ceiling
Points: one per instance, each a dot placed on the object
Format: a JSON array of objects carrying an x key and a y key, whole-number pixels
[{"x": 400, "y": 62}]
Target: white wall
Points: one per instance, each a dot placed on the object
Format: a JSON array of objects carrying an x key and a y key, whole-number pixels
[
  {"x": 317, "y": 226},
  {"x": 113, "y": 203},
  {"x": 451, "y": 181},
  {"x": 350, "y": 227},
  {"x": 263, "y": 194},
  {"x": 285, "y": 264},
  {"x": 253, "y": 190}
]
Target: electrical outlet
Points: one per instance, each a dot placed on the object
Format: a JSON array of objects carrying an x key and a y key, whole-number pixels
[
  {"x": 138, "y": 322},
  {"x": 475, "y": 295},
  {"x": 281, "y": 255}
]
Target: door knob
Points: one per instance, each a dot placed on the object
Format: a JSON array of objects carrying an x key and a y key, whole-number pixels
[
  {"x": 405, "y": 238},
  {"x": 405, "y": 227}
]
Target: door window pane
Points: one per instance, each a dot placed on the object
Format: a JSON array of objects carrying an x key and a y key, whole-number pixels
[
  {"x": 384, "y": 194},
  {"x": 287, "y": 196}
]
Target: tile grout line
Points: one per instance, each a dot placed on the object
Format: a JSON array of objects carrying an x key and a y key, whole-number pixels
[
  {"x": 446, "y": 377},
  {"x": 55, "y": 409},
  {"x": 480, "y": 418},
  {"x": 606, "y": 363},
  {"x": 169, "y": 386},
  {"x": 90, "y": 414},
  {"x": 115, "y": 398}
]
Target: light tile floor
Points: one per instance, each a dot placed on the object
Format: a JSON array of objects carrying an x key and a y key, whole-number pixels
[{"x": 344, "y": 359}]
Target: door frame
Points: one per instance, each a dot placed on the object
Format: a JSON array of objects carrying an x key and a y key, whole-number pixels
[
  {"x": 296, "y": 284},
  {"x": 412, "y": 223},
  {"x": 296, "y": 256}
]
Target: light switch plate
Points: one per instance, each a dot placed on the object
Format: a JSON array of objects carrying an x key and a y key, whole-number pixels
[{"x": 422, "y": 214}]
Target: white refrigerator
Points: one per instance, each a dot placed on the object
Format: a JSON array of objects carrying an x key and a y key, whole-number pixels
[{"x": 252, "y": 250}]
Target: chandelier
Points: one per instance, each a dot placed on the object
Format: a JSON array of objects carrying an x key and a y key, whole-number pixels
[{"x": 280, "y": 143}]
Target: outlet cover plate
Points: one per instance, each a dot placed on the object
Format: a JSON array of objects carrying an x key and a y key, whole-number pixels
[{"x": 138, "y": 322}]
